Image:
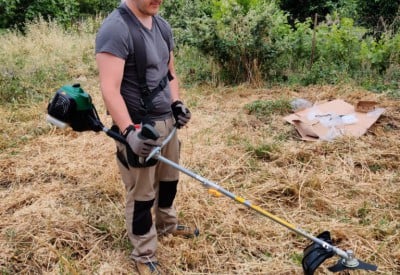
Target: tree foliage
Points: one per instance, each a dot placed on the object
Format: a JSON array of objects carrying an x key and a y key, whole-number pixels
[
  {"x": 376, "y": 15},
  {"x": 252, "y": 40},
  {"x": 261, "y": 40},
  {"x": 379, "y": 15},
  {"x": 18, "y": 12},
  {"x": 301, "y": 10}
]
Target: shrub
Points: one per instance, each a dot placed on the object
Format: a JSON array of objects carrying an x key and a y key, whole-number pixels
[
  {"x": 243, "y": 37},
  {"x": 337, "y": 52},
  {"x": 17, "y": 12}
]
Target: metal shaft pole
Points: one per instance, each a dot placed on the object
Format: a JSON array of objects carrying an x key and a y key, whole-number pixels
[{"x": 209, "y": 184}]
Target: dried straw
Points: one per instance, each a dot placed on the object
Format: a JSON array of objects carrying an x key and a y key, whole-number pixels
[{"x": 62, "y": 201}]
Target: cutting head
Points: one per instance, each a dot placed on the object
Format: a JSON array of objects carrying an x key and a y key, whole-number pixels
[
  {"x": 351, "y": 263},
  {"x": 315, "y": 254}
]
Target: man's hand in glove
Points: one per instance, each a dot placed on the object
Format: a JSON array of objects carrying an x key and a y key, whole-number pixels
[
  {"x": 140, "y": 145},
  {"x": 181, "y": 113}
]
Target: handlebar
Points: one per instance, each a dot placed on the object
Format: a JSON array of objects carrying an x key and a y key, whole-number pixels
[{"x": 157, "y": 150}]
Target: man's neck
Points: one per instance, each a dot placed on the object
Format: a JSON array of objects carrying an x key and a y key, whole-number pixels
[{"x": 145, "y": 19}]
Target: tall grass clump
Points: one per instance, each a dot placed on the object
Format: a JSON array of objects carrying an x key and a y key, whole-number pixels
[
  {"x": 33, "y": 65},
  {"x": 46, "y": 56}
]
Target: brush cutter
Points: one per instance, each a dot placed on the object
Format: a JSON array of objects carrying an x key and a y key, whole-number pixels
[{"x": 71, "y": 106}]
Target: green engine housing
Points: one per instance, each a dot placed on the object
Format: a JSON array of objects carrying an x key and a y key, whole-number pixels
[
  {"x": 82, "y": 99},
  {"x": 73, "y": 106}
]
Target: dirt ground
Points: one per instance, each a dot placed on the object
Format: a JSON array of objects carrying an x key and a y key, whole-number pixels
[{"x": 62, "y": 200}]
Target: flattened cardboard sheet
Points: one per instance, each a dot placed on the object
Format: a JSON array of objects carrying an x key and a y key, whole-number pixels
[{"x": 332, "y": 119}]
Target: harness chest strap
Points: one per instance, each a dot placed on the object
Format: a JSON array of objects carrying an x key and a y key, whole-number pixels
[{"x": 147, "y": 95}]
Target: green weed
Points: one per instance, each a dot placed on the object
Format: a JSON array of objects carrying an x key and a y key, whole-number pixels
[
  {"x": 296, "y": 258},
  {"x": 264, "y": 152},
  {"x": 263, "y": 109}
]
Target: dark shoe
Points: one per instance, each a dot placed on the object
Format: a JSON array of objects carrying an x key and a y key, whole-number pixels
[
  {"x": 185, "y": 231},
  {"x": 149, "y": 268}
]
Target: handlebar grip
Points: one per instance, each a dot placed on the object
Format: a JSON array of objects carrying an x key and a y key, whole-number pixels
[{"x": 149, "y": 132}]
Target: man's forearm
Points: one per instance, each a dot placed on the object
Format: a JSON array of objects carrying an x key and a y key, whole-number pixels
[
  {"x": 117, "y": 109},
  {"x": 174, "y": 87}
]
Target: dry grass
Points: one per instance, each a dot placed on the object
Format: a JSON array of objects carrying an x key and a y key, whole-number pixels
[
  {"x": 62, "y": 201},
  {"x": 32, "y": 67}
]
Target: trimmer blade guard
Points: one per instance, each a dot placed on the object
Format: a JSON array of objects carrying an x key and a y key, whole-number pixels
[{"x": 315, "y": 254}]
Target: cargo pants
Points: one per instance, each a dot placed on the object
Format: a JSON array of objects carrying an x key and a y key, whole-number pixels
[{"x": 150, "y": 192}]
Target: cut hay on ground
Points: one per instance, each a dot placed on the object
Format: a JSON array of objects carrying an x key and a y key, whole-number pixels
[{"x": 62, "y": 201}]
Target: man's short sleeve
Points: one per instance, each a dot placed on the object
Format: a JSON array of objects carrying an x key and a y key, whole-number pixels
[
  {"x": 167, "y": 26},
  {"x": 113, "y": 37},
  {"x": 171, "y": 40}
]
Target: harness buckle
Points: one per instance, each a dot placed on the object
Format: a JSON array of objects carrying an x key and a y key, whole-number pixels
[{"x": 145, "y": 90}]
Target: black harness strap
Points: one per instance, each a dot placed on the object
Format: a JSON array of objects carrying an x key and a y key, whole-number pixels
[{"x": 147, "y": 95}]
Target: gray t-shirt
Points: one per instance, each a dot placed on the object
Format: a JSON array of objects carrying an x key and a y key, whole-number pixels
[{"x": 114, "y": 37}]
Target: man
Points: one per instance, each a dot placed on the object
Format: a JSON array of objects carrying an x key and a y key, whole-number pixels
[{"x": 131, "y": 104}]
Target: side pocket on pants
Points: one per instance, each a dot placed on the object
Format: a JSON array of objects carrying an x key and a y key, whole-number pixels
[
  {"x": 133, "y": 159},
  {"x": 121, "y": 158}
]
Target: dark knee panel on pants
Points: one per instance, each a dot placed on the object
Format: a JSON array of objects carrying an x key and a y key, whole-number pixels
[
  {"x": 142, "y": 219},
  {"x": 167, "y": 193}
]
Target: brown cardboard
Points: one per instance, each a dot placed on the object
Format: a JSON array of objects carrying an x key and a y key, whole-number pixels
[
  {"x": 365, "y": 106},
  {"x": 332, "y": 119}
]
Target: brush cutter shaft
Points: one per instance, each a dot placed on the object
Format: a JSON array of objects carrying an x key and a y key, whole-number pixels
[
  {"x": 155, "y": 153},
  {"x": 209, "y": 184},
  {"x": 114, "y": 135}
]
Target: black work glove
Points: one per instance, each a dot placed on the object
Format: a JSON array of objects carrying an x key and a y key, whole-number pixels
[
  {"x": 182, "y": 114},
  {"x": 139, "y": 144}
]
